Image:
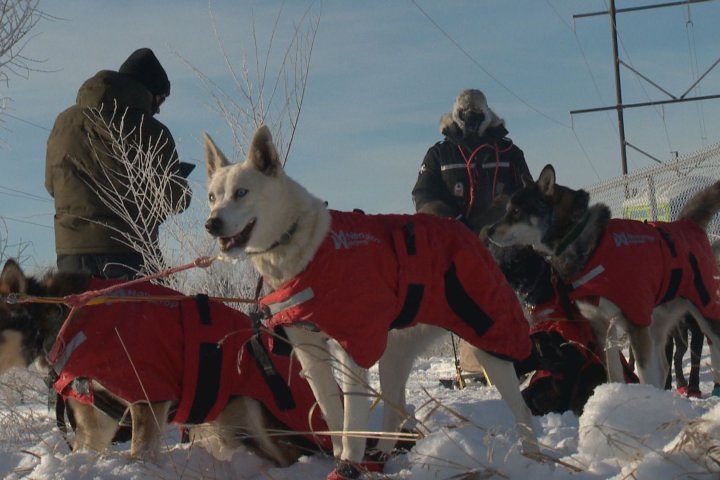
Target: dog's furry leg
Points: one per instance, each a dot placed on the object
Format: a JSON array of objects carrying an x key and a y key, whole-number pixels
[
  {"x": 648, "y": 343},
  {"x": 94, "y": 429},
  {"x": 650, "y": 358},
  {"x": 394, "y": 368},
  {"x": 148, "y": 424},
  {"x": 356, "y": 394},
  {"x": 711, "y": 329},
  {"x": 501, "y": 373},
  {"x": 601, "y": 322},
  {"x": 245, "y": 422},
  {"x": 311, "y": 350}
]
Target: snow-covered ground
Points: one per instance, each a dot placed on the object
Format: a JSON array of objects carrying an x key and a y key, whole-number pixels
[{"x": 627, "y": 431}]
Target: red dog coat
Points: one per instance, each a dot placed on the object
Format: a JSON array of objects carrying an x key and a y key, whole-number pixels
[
  {"x": 187, "y": 350},
  {"x": 641, "y": 265},
  {"x": 551, "y": 317},
  {"x": 374, "y": 273}
]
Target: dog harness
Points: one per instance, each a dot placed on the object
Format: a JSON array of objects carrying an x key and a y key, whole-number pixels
[
  {"x": 194, "y": 351},
  {"x": 551, "y": 317},
  {"x": 640, "y": 265},
  {"x": 374, "y": 273}
]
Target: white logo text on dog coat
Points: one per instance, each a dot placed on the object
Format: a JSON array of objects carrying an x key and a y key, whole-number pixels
[
  {"x": 343, "y": 239},
  {"x": 623, "y": 239}
]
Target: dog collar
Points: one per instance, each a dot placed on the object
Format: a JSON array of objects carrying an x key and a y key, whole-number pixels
[
  {"x": 283, "y": 240},
  {"x": 573, "y": 234}
]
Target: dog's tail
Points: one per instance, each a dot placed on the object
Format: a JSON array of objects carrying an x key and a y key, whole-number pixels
[{"x": 702, "y": 207}]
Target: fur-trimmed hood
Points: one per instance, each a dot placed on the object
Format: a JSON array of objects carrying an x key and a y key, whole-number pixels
[
  {"x": 451, "y": 130},
  {"x": 471, "y": 117}
]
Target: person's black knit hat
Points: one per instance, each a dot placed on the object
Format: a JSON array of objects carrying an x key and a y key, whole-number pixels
[{"x": 144, "y": 66}]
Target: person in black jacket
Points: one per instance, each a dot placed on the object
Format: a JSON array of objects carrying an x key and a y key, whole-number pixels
[{"x": 470, "y": 174}]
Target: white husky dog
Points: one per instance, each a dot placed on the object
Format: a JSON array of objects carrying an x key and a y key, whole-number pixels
[{"x": 257, "y": 209}]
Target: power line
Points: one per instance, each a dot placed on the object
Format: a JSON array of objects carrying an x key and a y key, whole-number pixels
[
  {"x": 524, "y": 102},
  {"x": 27, "y": 222},
  {"x": 658, "y": 110},
  {"x": 582, "y": 53},
  {"x": 12, "y": 192},
  {"x": 695, "y": 72},
  {"x": 487, "y": 72},
  {"x": 22, "y": 120},
  {"x": 594, "y": 82},
  {"x": 620, "y": 106}
]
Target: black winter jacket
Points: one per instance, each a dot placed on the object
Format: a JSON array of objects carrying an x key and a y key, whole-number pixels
[
  {"x": 472, "y": 179},
  {"x": 80, "y": 154}
]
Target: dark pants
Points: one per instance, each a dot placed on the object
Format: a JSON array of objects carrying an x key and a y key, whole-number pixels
[{"x": 116, "y": 265}]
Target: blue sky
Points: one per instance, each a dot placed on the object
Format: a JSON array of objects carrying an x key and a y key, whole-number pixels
[{"x": 382, "y": 73}]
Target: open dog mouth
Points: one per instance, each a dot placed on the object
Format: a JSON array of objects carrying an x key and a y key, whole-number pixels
[{"x": 239, "y": 240}]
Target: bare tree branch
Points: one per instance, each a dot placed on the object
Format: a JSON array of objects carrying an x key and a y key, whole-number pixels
[
  {"x": 271, "y": 87},
  {"x": 134, "y": 185},
  {"x": 18, "y": 18}
]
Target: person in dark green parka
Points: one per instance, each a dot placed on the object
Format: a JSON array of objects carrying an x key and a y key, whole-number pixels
[{"x": 90, "y": 236}]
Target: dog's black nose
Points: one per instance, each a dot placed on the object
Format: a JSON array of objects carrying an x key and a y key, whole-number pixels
[{"x": 213, "y": 225}]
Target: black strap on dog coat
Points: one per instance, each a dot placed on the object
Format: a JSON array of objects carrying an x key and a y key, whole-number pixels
[
  {"x": 282, "y": 395},
  {"x": 463, "y": 305},
  {"x": 698, "y": 280},
  {"x": 280, "y": 390},
  {"x": 415, "y": 291},
  {"x": 210, "y": 359},
  {"x": 211, "y": 355},
  {"x": 675, "y": 273}
]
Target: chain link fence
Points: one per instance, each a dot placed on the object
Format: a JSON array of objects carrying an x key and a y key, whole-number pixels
[{"x": 659, "y": 192}]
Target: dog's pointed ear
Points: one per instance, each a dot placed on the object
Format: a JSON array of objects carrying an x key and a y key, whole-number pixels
[
  {"x": 263, "y": 154},
  {"x": 12, "y": 278},
  {"x": 214, "y": 158},
  {"x": 546, "y": 180}
]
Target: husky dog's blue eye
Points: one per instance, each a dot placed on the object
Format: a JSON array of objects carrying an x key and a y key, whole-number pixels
[{"x": 239, "y": 193}]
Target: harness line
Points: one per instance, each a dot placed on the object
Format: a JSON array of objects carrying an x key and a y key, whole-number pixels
[{"x": 96, "y": 297}]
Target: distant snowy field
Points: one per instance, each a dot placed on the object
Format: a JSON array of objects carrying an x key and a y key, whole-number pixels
[{"x": 627, "y": 431}]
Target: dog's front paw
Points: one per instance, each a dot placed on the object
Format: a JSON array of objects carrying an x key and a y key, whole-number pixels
[{"x": 347, "y": 470}]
